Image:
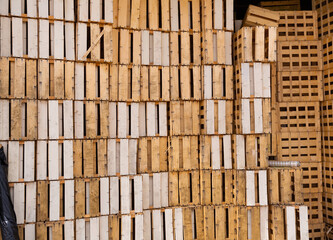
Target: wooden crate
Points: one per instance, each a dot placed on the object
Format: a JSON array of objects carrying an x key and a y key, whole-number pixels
[
  {"x": 312, "y": 177},
  {"x": 215, "y": 152},
  {"x": 217, "y": 82},
  {"x": 252, "y": 116},
  {"x": 299, "y": 55},
  {"x": 288, "y": 222},
  {"x": 298, "y": 117},
  {"x": 284, "y": 187},
  {"x": 185, "y": 83},
  {"x": 316, "y": 231},
  {"x": 103, "y": 45},
  {"x": 324, "y": 10},
  {"x": 263, "y": 49},
  {"x": 297, "y": 25},
  {"x": 299, "y": 86},
  {"x": 327, "y": 53},
  {"x": 184, "y": 118},
  {"x": 217, "y": 15},
  {"x": 327, "y": 153},
  {"x": 327, "y": 208},
  {"x": 216, "y": 117},
  {"x": 217, "y": 47},
  {"x": 299, "y": 146},
  {"x": 314, "y": 202},
  {"x": 185, "y": 48},
  {"x": 327, "y": 177},
  {"x": 90, "y": 158},
  {"x": 184, "y": 188},
  {"x": 183, "y": 153},
  {"x": 293, "y": 5},
  {"x": 250, "y": 151},
  {"x": 260, "y": 16},
  {"x": 328, "y": 84},
  {"x": 217, "y": 187},
  {"x": 326, "y": 116},
  {"x": 153, "y": 154},
  {"x": 19, "y": 119},
  {"x": 253, "y": 80}
]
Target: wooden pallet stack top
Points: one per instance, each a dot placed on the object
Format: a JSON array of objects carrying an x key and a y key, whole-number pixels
[
  {"x": 292, "y": 5},
  {"x": 324, "y": 11},
  {"x": 260, "y": 16}
]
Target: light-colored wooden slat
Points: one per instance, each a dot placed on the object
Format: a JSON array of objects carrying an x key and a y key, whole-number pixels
[
  {"x": 258, "y": 116},
  {"x": 30, "y": 202},
  {"x": 19, "y": 193},
  {"x": 5, "y": 39},
  {"x": 69, "y": 199},
  {"x": 69, "y": 230},
  {"x": 304, "y": 223},
  {"x": 41, "y": 160},
  {"x": 114, "y": 195},
  {"x": 4, "y": 119},
  {"x": 290, "y": 222},
  {"x": 29, "y": 161},
  {"x": 17, "y": 37},
  {"x": 53, "y": 160},
  {"x": 54, "y": 200},
  {"x": 43, "y": 39},
  {"x": 250, "y": 188}
]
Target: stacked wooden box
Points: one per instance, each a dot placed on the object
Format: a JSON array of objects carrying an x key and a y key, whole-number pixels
[
  {"x": 324, "y": 11},
  {"x": 255, "y": 70},
  {"x": 296, "y": 119}
]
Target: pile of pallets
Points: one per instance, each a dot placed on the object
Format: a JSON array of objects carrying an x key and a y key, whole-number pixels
[{"x": 297, "y": 132}]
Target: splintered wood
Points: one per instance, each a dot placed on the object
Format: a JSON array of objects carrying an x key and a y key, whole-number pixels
[{"x": 128, "y": 120}]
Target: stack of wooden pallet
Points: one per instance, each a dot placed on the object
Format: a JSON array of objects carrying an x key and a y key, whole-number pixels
[
  {"x": 255, "y": 70},
  {"x": 296, "y": 119},
  {"x": 324, "y": 11}
]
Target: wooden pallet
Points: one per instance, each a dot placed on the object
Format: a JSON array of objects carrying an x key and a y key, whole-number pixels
[
  {"x": 246, "y": 51},
  {"x": 284, "y": 187},
  {"x": 183, "y": 153},
  {"x": 217, "y": 82},
  {"x": 283, "y": 225},
  {"x": 297, "y": 25},
  {"x": 260, "y": 16},
  {"x": 299, "y": 86},
  {"x": 185, "y": 83},
  {"x": 216, "y": 117},
  {"x": 293, "y": 5},
  {"x": 299, "y": 146},
  {"x": 298, "y": 117},
  {"x": 217, "y": 47},
  {"x": 153, "y": 154},
  {"x": 252, "y": 116},
  {"x": 253, "y": 80},
  {"x": 184, "y": 118},
  {"x": 299, "y": 55},
  {"x": 215, "y": 152},
  {"x": 250, "y": 151}
]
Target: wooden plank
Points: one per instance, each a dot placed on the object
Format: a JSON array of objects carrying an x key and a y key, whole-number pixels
[
  {"x": 80, "y": 228},
  {"x": 246, "y": 120},
  {"x": 58, "y": 40},
  {"x": 32, "y": 38},
  {"x": 54, "y": 200},
  {"x": 258, "y": 80},
  {"x": 17, "y": 37},
  {"x": 114, "y": 195},
  {"x": 178, "y": 221},
  {"x": 259, "y": 54},
  {"x": 263, "y": 188},
  {"x": 104, "y": 227},
  {"x": 291, "y": 222},
  {"x": 69, "y": 41},
  {"x": 4, "y": 119},
  {"x": 168, "y": 224},
  {"x": 30, "y": 202},
  {"x": 216, "y": 162},
  {"x": 132, "y": 156},
  {"x": 264, "y": 223},
  {"x": 228, "y": 47},
  {"x": 29, "y": 161},
  {"x": 81, "y": 40},
  {"x": 304, "y": 225},
  {"x": 112, "y": 165},
  {"x": 174, "y": 15},
  {"x": 5, "y": 40},
  {"x": 145, "y": 47},
  {"x": 69, "y": 230},
  {"x": 53, "y": 119},
  {"x": 157, "y": 190},
  {"x": 138, "y": 194},
  {"x": 266, "y": 76},
  {"x": 151, "y": 131},
  {"x": 272, "y": 35},
  {"x": 229, "y": 15},
  {"x": 30, "y": 231},
  {"x": 157, "y": 35},
  {"x": 19, "y": 193},
  {"x": 250, "y": 188},
  {"x": 245, "y": 75},
  {"x": 125, "y": 227},
  {"x": 258, "y": 116},
  {"x": 138, "y": 227},
  {"x": 59, "y": 74},
  {"x": 157, "y": 225},
  {"x": 122, "y": 120},
  {"x": 53, "y": 160},
  {"x": 78, "y": 119},
  {"x": 42, "y": 201},
  {"x": 94, "y": 228},
  {"x": 124, "y": 157},
  {"x": 69, "y": 199},
  {"x": 227, "y": 152},
  {"x": 41, "y": 160},
  {"x": 222, "y": 117},
  {"x": 43, "y": 39},
  {"x": 240, "y": 152}
]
